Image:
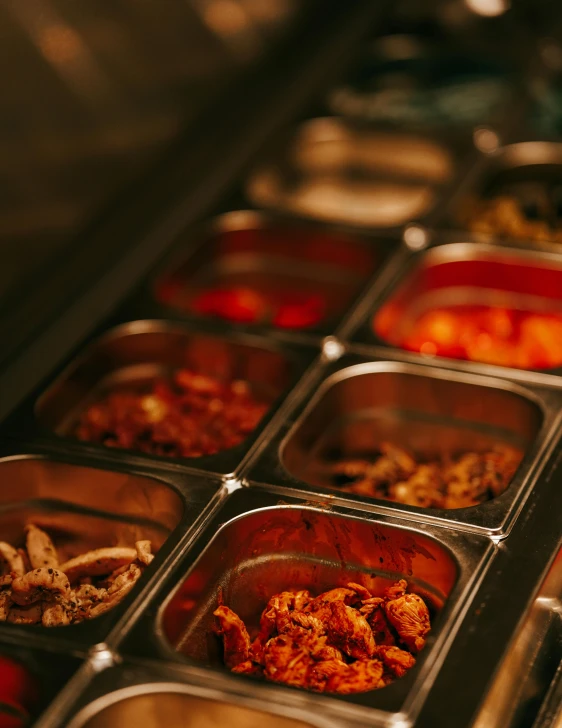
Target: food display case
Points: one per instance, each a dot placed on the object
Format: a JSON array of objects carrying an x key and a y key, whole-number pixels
[{"x": 280, "y": 384}]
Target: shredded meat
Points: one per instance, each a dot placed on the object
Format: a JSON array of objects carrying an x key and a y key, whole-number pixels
[
  {"x": 459, "y": 481},
  {"x": 409, "y": 615},
  {"x": 186, "y": 415},
  {"x": 235, "y": 636},
  {"x": 360, "y": 676},
  {"x": 329, "y": 643},
  {"x": 81, "y": 588}
]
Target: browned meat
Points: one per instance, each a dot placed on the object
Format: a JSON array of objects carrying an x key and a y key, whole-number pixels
[
  {"x": 98, "y": 562},
  {"x": 460, "y": 480},
  {"x": 40, "y": 549},
  {"x": 327, "y": 643},
  {"x": 395, "y": 660},
  {"x": 409, "y": 615},
  {"x": 39, "y": 584},
  {"x": 56, "y": 595},
  {"x": 235, "y": 636},
  {"x": 374, "y": 611},
  {"x": 248, "y": 667},
  {"x": 349, "y": 631},
  {"x": 12, "y": 559},
  {"x": 358, "y": 677},
  {"x": 287, "y": 660}
]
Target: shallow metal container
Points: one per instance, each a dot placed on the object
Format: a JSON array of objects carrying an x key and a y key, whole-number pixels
[
  {"x": 520, "y": 169},
  {"x": 344, "y": 173},
  {"x": 258, "y": 544},
  {"x": 424, "y": 66},
  {"x": 85, "y": 504},
  {"x": 137, "y": 351},
  {"x": 464, "y": 273},
  {"x": 367, "y": 396},
  {"x": 267, "y": 254},
  {"x": 161, "y": 705}
]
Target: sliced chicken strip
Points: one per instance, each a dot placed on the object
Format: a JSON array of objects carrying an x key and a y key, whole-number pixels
[
  {"x": 98, "y": 562},
  {"x": 38, "y": 584},
  {"x": 144, "y": 552},
  {"x": 40, "y": 548},
  {"x": 235, "y": 636},
  {"x": 84, "y": 598},
  {"x": 54, "y": 615},
  {"x": 118, "y": 590},
  {"x": 25, "y": 615},
  {"x": 26, "y": 562},
  {"x": 12, "y": 558}
]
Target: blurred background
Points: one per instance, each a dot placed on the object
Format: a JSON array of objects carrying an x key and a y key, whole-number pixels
[{"x": 98, "y": 99}]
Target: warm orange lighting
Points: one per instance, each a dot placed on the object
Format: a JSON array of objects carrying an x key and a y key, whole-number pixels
[
  {"x": 60, "y": 44},
  {"x": 226, "y": 18}
]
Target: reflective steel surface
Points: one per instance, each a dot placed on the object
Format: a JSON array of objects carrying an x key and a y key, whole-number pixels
[{"x": 176, "y": 127}]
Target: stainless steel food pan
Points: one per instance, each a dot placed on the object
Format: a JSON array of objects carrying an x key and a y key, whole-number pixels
[
  {"x": 85, "y": 505},
  {"x": 465, "y": 273},
  {"x": 134, "y": 353},
  {"x": 156, "y": 694},
  {"x": 530, "y": 172},
  {"x": 258, "y": 545},
  {"x": 271, "y": 256},
  {"x": 366, "y": 398},
  {"x": 340, "y": 172}
]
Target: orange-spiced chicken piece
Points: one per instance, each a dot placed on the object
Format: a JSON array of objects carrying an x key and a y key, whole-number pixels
[
  {"x": 344, "y": 640},
  {"x": 358, "y": 677},
  {"x": 396, "y": 661},
  {"x": 277, "y": 613},
  {"x": 235, "y": 636},
  {"x": 373, "y": 610},
  {"x": 349, "y": 631},
  {"x": 288, "y": 658},
  {"x": 409, "y": 615}
]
